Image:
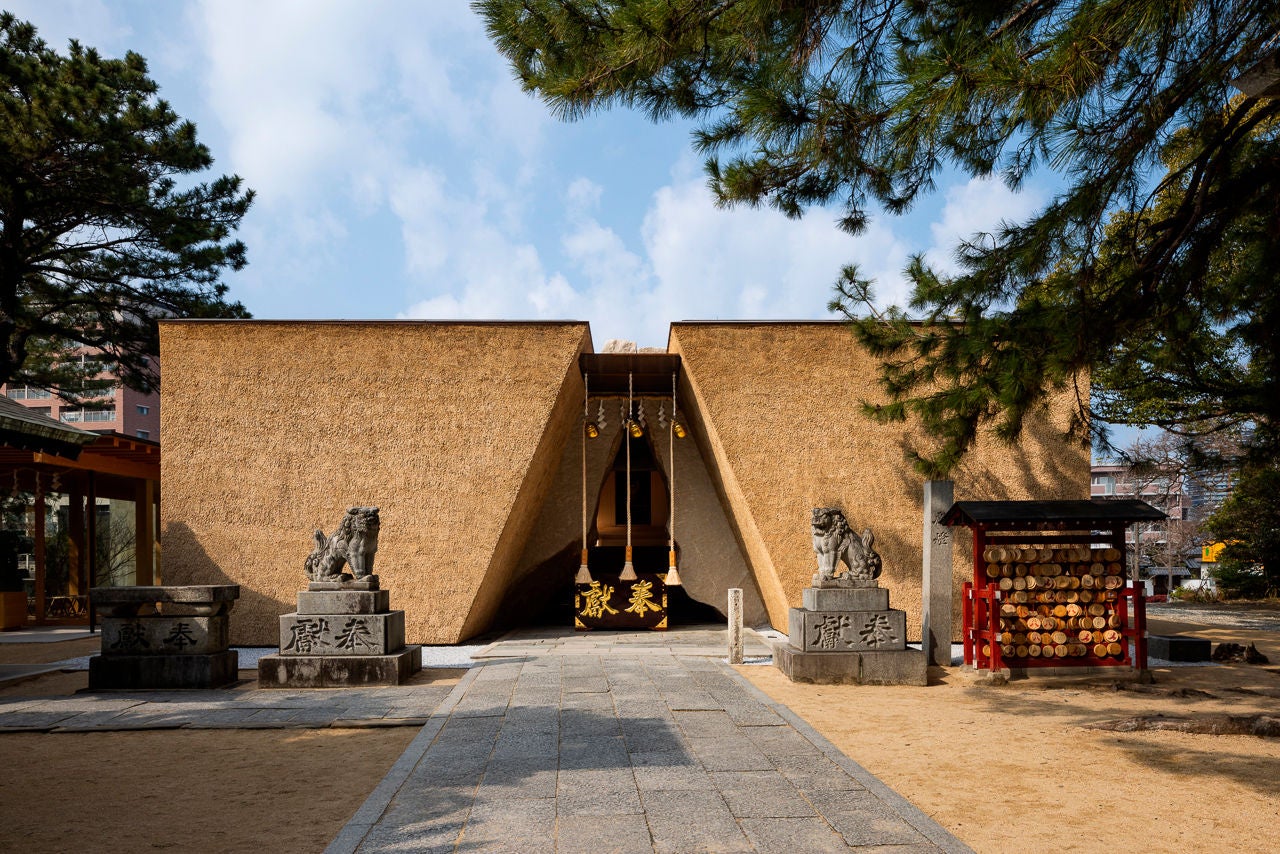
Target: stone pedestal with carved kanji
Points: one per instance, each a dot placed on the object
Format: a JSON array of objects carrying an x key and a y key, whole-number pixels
[
  {"x": 164, "y": 637},
  {"x": 344, "y": 634},
  {"x": 847, "y": 633}
]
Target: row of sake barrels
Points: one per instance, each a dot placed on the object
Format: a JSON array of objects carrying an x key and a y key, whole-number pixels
[
  {"x": 1009, "y": 611},
  {"x": 1065, "y": 582},
  {"x": 1043, "y": 554},
  {"x": 1083, "y": 631},
  {"x": 1083, "y": 636},
  {"x": 1073, "y": 624},
  {"x": 1054, "y": 570},
  {"x": 1027, "y": 597},
  {"x": 1058, "y": 650}
]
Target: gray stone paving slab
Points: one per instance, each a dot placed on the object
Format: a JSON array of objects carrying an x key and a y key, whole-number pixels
[
  {"x": 533, "y": 780},
  {"x": 810, "y": 835},
  {"x": 731, "y": 753},
  {"x": 509, "y": 824},
  {"x": 683, "y": 822},
  {"x": 653, "y": 736},
  {"x": 86, "y": 721},
  {"x": 708, "y": 724},
  {"x": 271, "y": 715},
  {"x": 761, "y": 794},
  {"x": 18, "y": 704},
  {"x": 588, "y": 753},
  {"x": 672, "y": 778},
  {"x": 597, "y": 792},
  {"x": 752, "y": 715},
  {"x": 664, "y": 759},
  {"x": 862, "y": 819},
  {"x": 33, "y": 720},
  {"x": 692, "y": 701},
  {"x": 821, "y": 776},
  {"x": 621, "y": 834},
  {"x": 586, "y": 685}
]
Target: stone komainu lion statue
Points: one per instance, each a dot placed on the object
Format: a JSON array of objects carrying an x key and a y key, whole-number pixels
[
  {"x": 355, "y": 542},
  {"x": 834, "y": 541}
]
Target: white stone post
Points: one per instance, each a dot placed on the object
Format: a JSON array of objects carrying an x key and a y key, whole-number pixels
[
  {"x": 937, "y": 586},
  {"x": 735, "y": 625}
]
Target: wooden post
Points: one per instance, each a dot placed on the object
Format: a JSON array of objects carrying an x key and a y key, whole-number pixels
[
  {"x": 75, "y": 530},
  {"x": 735, "y": 625},
  {"x": 42, "y": 604},
  {"x": 144, "y": 533},
  {"x": 91, "y": 502}
]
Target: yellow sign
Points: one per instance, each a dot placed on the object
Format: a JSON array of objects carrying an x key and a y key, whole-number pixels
[{"x": 1209, "y": 553}]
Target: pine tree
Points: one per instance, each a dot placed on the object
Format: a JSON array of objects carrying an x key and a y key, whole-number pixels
[
  {"x": 863, "y": 103},
  {"x": 101, "y": 230}
]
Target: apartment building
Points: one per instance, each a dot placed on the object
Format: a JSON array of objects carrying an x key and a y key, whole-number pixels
[
  {"x": 1161, "y": 548},
  {"x": 1165, "y": 490},
  {"x": 120, "y": 409}
]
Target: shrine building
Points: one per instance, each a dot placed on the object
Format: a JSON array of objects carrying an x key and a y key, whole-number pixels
[{"x": 474, "y": 440}]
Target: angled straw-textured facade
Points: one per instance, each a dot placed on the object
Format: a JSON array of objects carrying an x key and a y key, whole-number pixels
[{"x": 469, "y": 438}]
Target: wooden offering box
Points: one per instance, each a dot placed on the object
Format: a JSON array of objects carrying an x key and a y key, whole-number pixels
[
  {"x": 610, "y": 603},
  {"x": 1049, "y": 587}
]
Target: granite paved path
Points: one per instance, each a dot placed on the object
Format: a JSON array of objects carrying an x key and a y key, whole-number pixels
[{"x": 652, "y": 752}]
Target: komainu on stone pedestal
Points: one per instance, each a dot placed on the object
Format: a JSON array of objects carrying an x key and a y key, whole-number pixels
[
  {"x": 355, "y": 543},
  {"x": 344, "y": 633},
  {"x": 833, "y": 542},
  {"x": 845, "y": 631}
]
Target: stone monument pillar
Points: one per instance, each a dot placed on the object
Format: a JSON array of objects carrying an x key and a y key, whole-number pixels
[
  {"x": 164, "y": 637},
  {"x": 845, "y": 631},
  {"x": 938, "y": 583}
]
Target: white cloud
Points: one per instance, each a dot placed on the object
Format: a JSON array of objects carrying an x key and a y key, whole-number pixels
[
  {"x": 973, "y": 208},
  {"x": 754, "y": 263},
  {"x": 467, "y": 266},
  {"x": 695, "y": 261},
  {"x": 92, "y": 22}
]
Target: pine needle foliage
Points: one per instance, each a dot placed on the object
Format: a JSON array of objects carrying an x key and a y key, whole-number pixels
[
  {"x": 863, "y": 103},
  {"x": 101, "y": 230}
]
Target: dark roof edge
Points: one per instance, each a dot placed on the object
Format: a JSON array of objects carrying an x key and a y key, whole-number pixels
[
  {"x": 797, "y": 322},
  {"x": 256, "y": 321},
  {"x": 1068, "y": 513}
]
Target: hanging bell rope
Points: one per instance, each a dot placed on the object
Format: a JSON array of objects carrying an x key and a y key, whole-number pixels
[
  {"x": 584, "y": 574},
  {"x": 673, "y": 574},
  {"x": 628, "y": 569}
]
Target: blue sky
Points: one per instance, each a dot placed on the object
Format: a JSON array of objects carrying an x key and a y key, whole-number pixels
[{"x": 402, "y": 173}]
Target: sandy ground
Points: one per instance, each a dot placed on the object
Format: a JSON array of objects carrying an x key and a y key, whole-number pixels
[
  {"x": 259, "y": 791},
  {"x": 1007, "y": 769},
  {"x": 1015, "y": 769},
  {"x": 189, "y": 790}
]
